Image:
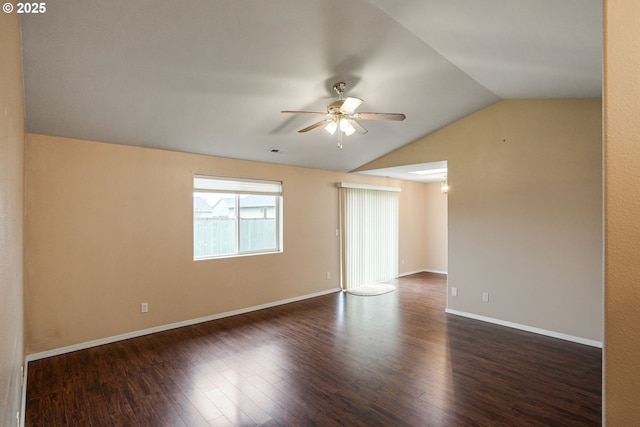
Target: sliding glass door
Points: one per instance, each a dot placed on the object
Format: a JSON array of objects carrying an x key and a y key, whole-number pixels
[{"x": 369, "y": 234}]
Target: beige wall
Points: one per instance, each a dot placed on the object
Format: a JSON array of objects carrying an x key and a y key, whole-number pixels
[
  {"x": 413, "y": 201},
  {"x": 110, "y": 226},
  {"x": 622, "y": 212},
  {"x": 11, "y": 212},
  {"x": 424, "y": 219},
  {"x": 436, "y": 215},
  {"x": 525, "y": 212}
]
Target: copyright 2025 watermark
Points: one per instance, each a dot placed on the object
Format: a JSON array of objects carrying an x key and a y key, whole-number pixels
[{"x": 22, "y": 8}]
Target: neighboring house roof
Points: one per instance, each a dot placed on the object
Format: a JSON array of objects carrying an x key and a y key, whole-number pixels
[
  {"x": 253, "y": 201},
  {"x": 226, "y": 202},
  {"x": 200, "y": 204},
  {"x": 258, "y": 201}
]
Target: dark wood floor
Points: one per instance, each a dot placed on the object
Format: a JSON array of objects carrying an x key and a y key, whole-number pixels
[{"x": 337, "y": 360}]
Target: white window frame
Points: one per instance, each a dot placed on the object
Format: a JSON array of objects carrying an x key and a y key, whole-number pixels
[{"x": 236, "y": 187}]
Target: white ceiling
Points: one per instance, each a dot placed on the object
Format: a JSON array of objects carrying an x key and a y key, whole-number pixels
[{"x": 211, "y": 76}]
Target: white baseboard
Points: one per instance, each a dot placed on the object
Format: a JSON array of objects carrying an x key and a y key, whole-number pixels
[
  {"x": 435, "y": 271},
  {"x": 538, "y": 331},
  {"x": 134, "y": 334},
  {"x": 409, "y": 273}
]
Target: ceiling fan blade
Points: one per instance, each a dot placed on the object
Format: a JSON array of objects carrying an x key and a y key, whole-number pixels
[
  {"x": 380, "y": 116},
  {"x": 315, "y": 125},
  {"x": 359, "y": 128},
  {"x": 350, "y": 104},
  {"x": 315, "y": 113}
]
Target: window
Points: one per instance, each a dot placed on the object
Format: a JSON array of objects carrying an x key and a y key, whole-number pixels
[{"x": 234, "y": 217}]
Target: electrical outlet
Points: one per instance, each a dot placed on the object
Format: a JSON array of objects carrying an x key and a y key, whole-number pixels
[
  {"x": 485, "y": 297},
  {"x": 144, "y": 307},
  {"x": 328, "y": 276},
  {"x": 454, "y": 292}
]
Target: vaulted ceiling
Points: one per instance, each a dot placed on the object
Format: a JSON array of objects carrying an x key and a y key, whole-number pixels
[{"x": 211, "y": 76}]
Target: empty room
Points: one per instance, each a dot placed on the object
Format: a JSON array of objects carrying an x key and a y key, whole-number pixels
[{"x": 363, "y": 213}]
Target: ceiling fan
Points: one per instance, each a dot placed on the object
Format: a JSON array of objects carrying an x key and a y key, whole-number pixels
[{"x": 341, "y": 115}]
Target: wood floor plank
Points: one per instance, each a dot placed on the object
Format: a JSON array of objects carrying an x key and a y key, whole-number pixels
[{"x": 335, "y": 360}]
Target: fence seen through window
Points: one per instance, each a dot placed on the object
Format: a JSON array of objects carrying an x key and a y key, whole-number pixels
[{"x": 233, "y": 219}]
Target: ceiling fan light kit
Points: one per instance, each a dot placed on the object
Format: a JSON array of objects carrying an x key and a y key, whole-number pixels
[
  {"x": 331, "y": 127},
  {"x": 341, "y": 115}
]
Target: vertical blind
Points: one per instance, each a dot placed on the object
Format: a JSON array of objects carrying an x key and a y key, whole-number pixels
[{"x": 369, "y": 234}]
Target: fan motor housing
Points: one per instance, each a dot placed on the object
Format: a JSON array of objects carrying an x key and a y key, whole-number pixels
[{"x": 334, "y": 107}]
